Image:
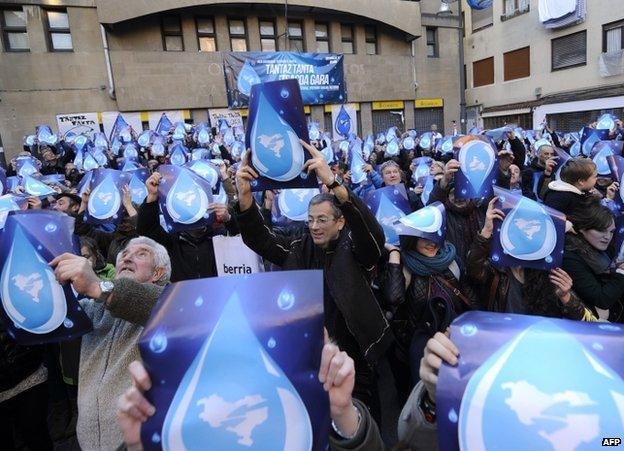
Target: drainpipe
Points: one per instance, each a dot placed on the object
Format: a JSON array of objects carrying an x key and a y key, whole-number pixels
[{"x": 109, "y": 68}]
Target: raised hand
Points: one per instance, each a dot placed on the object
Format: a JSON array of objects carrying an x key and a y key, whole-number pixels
[
  {"x": 438, "y": 349},
  {"x": 337, "y": 374},
  {"x": 133, "y": 409},
  {"x": 562, "y": 282},
  {"x": 152, "y": 187},
  {"x": 491, "y": 214},
  {"x": 244, "y": 176}
]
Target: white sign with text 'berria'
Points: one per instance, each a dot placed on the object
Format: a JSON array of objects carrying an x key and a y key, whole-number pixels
[{"x": 232, "y": 256}]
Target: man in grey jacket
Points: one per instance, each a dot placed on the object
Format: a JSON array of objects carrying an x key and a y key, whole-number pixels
[{"x": 118, "y": 310}]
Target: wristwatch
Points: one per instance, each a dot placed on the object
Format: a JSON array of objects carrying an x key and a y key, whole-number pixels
[
  {"x": 106, "y": 286},
  {"x": 337, "y": 182}
]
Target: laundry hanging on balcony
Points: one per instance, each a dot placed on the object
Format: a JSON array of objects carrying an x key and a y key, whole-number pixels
[
  {"x": 562, "y": 13},
  {"x": 480, "y": 4}
]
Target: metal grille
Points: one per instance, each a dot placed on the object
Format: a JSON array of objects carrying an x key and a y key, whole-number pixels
[
  {"x": 574, "y": 121},
  {"x": 383, "y": 120},
  {"x": 424, "y": 117},
  {"x": 521, "y": 120}
]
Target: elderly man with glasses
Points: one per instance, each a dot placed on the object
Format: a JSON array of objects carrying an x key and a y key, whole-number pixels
[{"x": 344, "y": 240}]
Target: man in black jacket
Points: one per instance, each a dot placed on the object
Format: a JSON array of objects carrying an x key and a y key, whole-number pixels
[
  {"x": 191, "y": 252},
  {"x": 343, "y": 239}
]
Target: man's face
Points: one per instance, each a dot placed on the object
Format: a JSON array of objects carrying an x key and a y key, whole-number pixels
[
  {"x": 324, "y": 226},
  {"x": 391, "y": 176},
  {"x": 434, "y": 128},
  {"x": 64, "y": 205},
  {"x": 546, "y": 152},
  {"x": 136, "y": 262},
  {"x": 48, "y": 156}
]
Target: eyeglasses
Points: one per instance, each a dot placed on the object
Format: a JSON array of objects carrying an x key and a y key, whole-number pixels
[{"x": 321, "y": 221}]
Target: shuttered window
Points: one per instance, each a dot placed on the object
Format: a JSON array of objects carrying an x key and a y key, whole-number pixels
[
  {"x": 483, "y": 72},
  {"x": 569, "y": 51},
  {"x": 517, "y": 64},
  {"x": 481, "y": 18}
]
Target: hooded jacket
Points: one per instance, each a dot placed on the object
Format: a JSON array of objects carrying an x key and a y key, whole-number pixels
[{"x": 564, "y": 197}]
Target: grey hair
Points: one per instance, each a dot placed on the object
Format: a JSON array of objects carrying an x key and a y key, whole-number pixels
[
  {"x": 326, "y": 197},
  {"x": 387, "y": 164},
  {"x": 161, "y": 256}
]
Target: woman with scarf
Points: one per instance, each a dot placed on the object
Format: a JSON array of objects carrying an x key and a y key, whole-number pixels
[
  {"x": 521, "y": 290},
  {"x": 587, "y": 259},
  {"x": 422, "y": 285}
]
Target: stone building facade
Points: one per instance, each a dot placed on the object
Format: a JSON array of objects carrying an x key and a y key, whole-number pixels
[{"x": 102, "y": 56}]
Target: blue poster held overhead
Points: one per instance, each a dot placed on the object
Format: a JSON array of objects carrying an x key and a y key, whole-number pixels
[
  {"x": 184, "y": 197},
  {"x": 13, "y": 202},
  {"x": 616, "y": 165},
  {"x": 105, "y": 203},
  {"x": 276, "y": 124},
  {"x": 590, "y": 137},
  {"x": 389, "y": 204},
  {"x": 234, "y": 362},
  {"x": 531, "y": 383},
  {"x": 602, "y": 150},
  {"x": 320, "y": 75},
  {"x": 478, "y": 166},
  {"x": 35, "y": 307},
  {"x": 530, "y": 236},
  {"x": 428, "y": 223},
  {"x": 291, "y": 205}
]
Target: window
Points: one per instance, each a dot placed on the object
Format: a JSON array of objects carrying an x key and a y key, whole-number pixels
[
  {"x": 481, "y": 18},
  {"x": 515, "y": 7},
  {"x": 172, "y": 34},
  {"x": 613, "y": 36},
  {"x": 59, "y": 36},
  {"x": 517, "y": 64},
  {"x": 14, "y": 33},
  {"x": 483, "y": 72},
  {"x": 238, "y": 35},
  {"x": 432, "y": 42},
  {"x": 569, "y": 51},
  {"x": 295, "y": 36},
  {"x": 321, "y": 33},
  {"x": 370, "y": 33},
  {"x": 206, "y": 37},
  {"x": 268, "y": 39},
  {"x": 346, "y": 32}
]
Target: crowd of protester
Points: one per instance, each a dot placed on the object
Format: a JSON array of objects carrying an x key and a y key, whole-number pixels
[{"x": 376, "y": 295}]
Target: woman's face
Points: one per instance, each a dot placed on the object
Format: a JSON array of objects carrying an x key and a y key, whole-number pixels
[
  {"x": 599, "y": 239},
  {"x": 426, "y": 247}
]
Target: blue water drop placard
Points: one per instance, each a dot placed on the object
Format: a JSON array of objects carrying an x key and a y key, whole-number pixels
[
  {"x": 105, "y": 200},
  {"x": 530, "y": 236},
  {"x": 389, "y": 204},
  {"x": 531, "y": 383},
  {"x": 276, "y": 124},
  {"x": 478, "y": 166},
  {"x": 184, "y": 197},
  {"x": 235, "y": 369},
  {"x": 35, "y": 307},
  {"x": 292, "y": 205}
]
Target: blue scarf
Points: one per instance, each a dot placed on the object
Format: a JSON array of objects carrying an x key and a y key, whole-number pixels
[{"x": 420, "y": 265}]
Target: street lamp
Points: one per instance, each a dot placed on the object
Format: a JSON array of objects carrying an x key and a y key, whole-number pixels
[{"x": 445, "y": 11}]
